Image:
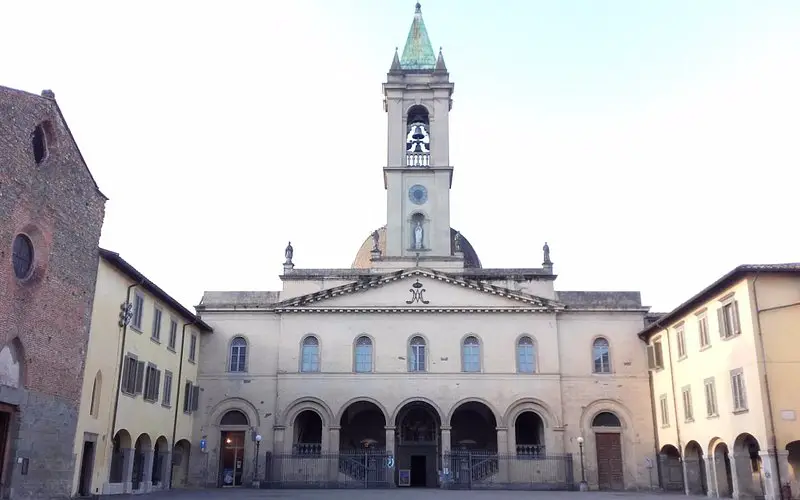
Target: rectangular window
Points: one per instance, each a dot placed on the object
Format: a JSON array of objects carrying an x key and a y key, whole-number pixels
[
  {"x": 152, "y": 383},
  {"x": 416, "y": 363},
  {"x": 156, "y": 335},
  {"x": 681, "y": 336},
  {"x": 192, "y": 347},
  {"x": 738, "y": 390},
  {"x": 363, "y": 355},
  {"x": 728, "y": 318},
  {"x": 702, "y": 328},
  {"x": 655, "y": 356},
  {"x": 132, "y": 375},
  {"x": 711, "y": 397},
  {"x": 688, "y": 410},
  {"x": 138, "y": 310},
  {"x": 191, "y": 395},
  {"x": 167, "y": 399},
  {"x": 173, "y": 334},
  {"x": 664, "y": 411}
]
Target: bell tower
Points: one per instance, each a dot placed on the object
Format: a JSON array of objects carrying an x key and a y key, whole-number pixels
[{"x": 418, "y": 175}]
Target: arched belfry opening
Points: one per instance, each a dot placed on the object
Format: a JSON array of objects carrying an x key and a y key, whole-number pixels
[
  {"x": 418, "y": 140},
  {"x": 418, "y": 441}
]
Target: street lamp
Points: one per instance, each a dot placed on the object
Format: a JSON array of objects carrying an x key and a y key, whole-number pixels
[
  {"x": 255, "y": 460},
  {"x": 583, "y": 486}
]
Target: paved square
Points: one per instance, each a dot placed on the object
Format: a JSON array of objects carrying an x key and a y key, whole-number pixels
[{"x": 392, "y": 494}]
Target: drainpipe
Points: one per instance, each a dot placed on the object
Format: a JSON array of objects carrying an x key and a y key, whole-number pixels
[
  {"x": 655, "y": 426},
  {"x": 121, "y": 363},
  {"x": 762, "y": 350},
  {"x": 674, "y": 402},
  {"x": 178, "y": 394}
]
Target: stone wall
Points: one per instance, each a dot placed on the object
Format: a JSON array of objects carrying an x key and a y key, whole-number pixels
[{"x": 57, "y": 205}]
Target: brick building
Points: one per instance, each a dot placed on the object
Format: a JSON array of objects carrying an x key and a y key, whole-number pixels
[{"x": 52, "y": 213}]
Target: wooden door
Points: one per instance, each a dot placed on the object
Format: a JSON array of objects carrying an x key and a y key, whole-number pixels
[{"x": 609, "y": 461}]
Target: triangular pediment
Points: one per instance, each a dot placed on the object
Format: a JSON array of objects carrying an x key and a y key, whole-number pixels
[{"x": 415, "y": 290}]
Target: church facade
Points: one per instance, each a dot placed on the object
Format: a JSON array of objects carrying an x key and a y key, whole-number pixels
[{"x": 416, "y": 366}]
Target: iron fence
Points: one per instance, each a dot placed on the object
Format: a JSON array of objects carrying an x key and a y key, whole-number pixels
[
  {"x": 489, "y": 470},
  {"x": 346, "y": 469}
]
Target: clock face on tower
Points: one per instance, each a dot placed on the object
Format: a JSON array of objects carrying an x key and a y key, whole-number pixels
[{"x": 418, "y": 194}]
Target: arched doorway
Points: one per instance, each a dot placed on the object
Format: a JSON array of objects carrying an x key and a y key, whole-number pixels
[
  {"x": 529, "y": 435},
  {"x": 233, "y": 425},
  {"x": 722, "y": 470},
  {"x": 180, "y": 464},
  {"x": 140, "y": 472},
  {"x": 671, "y": 469},
  {"x": 362, "y": 445},
  {"x": 160, "y": 462},
  {"x": 418, "y": 438},
  {"x": 473, "y": 438},
  {"x": 307, "y": 434},
  {"x": 121, "y": 442},
  {"x": 608, "y": 444},
  {"x": 695, "y": 466},
  {"x": 748, "y": 468}
]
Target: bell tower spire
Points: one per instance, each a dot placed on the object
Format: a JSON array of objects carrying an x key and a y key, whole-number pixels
[{"x": 417, "y": 177}]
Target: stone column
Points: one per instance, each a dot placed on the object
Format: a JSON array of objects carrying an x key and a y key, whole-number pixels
[
  {"x": 390, "y": 452},
  {"x": 127, "y": 470},
  {"x": 740, "y": 474},
  {"x": 692, "y": 481},
  {"x": 772, "y": 486},
  {"x": 711, "y": 476},
  {"x": 147, "y": 474},
  {"x": 166, "y": 469},
  {"x": 502, "y": 455},
  {"x": 333, "y": 450},
  {"x": 278, "y": 446},
  {"x": 445, "y": 439}
]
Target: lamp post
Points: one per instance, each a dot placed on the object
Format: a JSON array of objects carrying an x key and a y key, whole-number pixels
[
  {"x": 256, "y": 481},
  {"x": 583, "y": 486}
]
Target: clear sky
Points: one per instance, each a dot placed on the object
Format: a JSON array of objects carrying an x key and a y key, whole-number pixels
[{"x": 653, "y": 144}]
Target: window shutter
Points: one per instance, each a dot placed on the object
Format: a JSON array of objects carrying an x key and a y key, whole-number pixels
[
  {"x": 651, "y": 357},
  {"x": 125, "y": 375},
  {"x": 735, "y": 308},
  {"x": 659, "y": 355},
  {"x": 195, "y": 397},
  {"x": 721, "y": 322},
  {"x": 187, "y": 393},
  {"x": 139, "y": 377},
  {"x": 157, "y": 385}
]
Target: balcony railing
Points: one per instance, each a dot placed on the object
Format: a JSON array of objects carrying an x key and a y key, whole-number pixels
[
  {"x": 307, "y": 449},
  {"x": 530, "y": 451},
  {"x": 421, "y": 160}
]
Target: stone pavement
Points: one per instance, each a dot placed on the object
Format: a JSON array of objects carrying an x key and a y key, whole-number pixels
[{"x": 394, "y": 494}]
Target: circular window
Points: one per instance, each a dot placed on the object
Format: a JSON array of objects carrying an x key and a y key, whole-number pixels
[
  {"x": 22, "y": 256},
  {"x": 418, "y": 194}
]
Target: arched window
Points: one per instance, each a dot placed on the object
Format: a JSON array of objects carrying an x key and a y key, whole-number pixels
[
  {"x": 416, "y": 355},
  {"x": 602, "y": 361},
  {"x": 238, "y": 359},
  {"x": 606, "y": 419},
  {"x": 310, "y": 355},
  {"x": 471, "y": 355},
  {"x": 526, "y": 355},
  {"x": 363, "y": 354}
]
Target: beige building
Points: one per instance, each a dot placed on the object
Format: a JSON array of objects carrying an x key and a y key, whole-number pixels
[
  {"x": 135, "y": 425},
  {"x": 416, "y": 366},
  {"x": 725, "y": 370}
]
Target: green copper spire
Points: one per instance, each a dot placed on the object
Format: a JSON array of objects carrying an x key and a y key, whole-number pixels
[{"x": 418, "y": 52}]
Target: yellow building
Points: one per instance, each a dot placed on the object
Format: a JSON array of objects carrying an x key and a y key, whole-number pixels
[
  {"x": 724, "y": 368},
  {"x": 135, "y": 424}
]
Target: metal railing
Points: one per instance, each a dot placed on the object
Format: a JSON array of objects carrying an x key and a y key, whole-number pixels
[
  {"x": 346, "y": 469},
  {"x": 489, "y": 470}
]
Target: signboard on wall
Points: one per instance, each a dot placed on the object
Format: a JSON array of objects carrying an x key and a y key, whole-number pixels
[{"x": 404, "y": 477}]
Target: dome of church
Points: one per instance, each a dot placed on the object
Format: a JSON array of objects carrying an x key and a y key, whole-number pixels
[{"x": 362, "y": 260}]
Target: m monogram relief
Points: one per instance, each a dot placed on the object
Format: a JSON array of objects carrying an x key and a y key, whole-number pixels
[{"x": 417, "y": 294}]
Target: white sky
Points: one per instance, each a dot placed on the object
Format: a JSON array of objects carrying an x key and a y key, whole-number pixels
[{"x": 220, "y": 131}]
